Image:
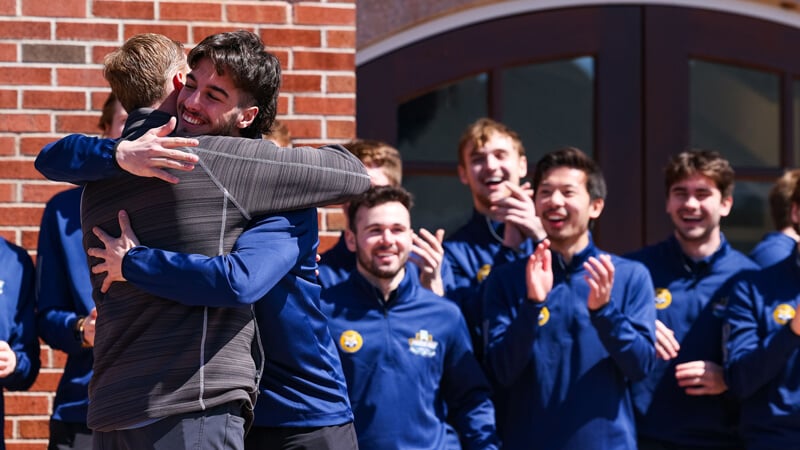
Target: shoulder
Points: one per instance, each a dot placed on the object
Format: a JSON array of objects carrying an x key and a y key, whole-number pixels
[
  {"x": 11, "y": 253},
  {"x": 627, "y": 267},
  {"x": 649, "y": 253}
]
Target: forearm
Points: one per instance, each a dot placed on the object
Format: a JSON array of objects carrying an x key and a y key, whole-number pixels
[
  {"x": 261, "y": 256},
  {"x": 511, "y": 341},
  {"x": 78, "y": 159},
  {"x": 264, "y": 179},
  {"x": 629, "y": 342}
]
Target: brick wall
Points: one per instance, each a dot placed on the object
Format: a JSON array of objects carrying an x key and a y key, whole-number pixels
[{"x": 51, "y": 84}]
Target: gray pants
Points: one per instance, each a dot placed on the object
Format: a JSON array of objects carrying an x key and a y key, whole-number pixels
[{"x": 220, "y": 428}]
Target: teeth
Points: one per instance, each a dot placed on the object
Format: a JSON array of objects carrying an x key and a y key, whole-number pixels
[
  {"x": 493, "y": 180},
  {"x": 190, "y": 120}
]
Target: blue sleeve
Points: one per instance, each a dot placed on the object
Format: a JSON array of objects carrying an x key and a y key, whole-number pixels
[
  {"x": 261, "y": 256},
  {"x": 23, "y": 339},
  {"x": 56, "y": 308},
  {"x": 753, "y": 359},
  {"x": 512, "y": 329},
  {"x": 467, "y": 394},
  {"x": 626, "y": 325},
  {"x": 78, "y": 159}
]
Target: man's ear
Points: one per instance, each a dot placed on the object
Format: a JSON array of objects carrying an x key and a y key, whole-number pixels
[
  {"x": 350, "y": 240},
  {"x": 247, "y": 116},
  {"x": 178, "y": 81}
]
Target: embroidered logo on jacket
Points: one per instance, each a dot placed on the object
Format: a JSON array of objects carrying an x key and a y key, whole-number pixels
[
  {"x": 483, "y": 272},
  {"x": 663, "y": 298},
  {"x": 422, "y": 344},
  {"x": 544, "y": 316},
  {"x": 350, "y": 341},
  {"x": 783, "y": 313}
]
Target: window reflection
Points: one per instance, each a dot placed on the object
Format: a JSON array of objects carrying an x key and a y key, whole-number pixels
[
  {"x": 550, "y": 105},
  {"x": 749, "y": 219},
  {"x": 429, "y": 126},
  {"x": 735, "y": 111}
]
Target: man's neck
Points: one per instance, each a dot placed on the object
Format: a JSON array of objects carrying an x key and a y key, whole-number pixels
[
  {"x": 385, "y": 285},
  {"x": 168, "y": 104},
  {"x": 789, "y": 231},
  {"x": 568, "y": 249},
  {"x": 700, "y": 249}
]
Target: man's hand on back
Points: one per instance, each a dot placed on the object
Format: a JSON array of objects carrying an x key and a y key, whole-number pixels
[{"x": 154, "y": 151}]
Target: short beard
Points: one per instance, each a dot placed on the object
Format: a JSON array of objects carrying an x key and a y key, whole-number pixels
[{"x": 366, "y": 262}]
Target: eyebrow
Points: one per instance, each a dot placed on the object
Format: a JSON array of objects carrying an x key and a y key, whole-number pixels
[{"x": 213, "y": 87}]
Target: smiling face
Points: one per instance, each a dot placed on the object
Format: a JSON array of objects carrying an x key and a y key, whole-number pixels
[
  {"x": 381, "y": 240},
  {"x": 565, "y": 208},
  {"x": 696, "y": 206},
  {"x": 484, "y": 169},
  {"x": 209, "y": 104}
]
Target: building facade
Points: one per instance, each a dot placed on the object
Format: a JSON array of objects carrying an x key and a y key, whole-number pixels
[{"x": 630, "y": 82}]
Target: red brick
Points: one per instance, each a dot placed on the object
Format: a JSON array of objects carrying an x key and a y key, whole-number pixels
[
  {"x": 335, "y": 220},
  {"x": 11, "y": 445},
  {"x": 17, "y": 404},
  {"x": 21, "y": 170},
  {"x": 99, "y": 53},
  {"x": 340, "y": 39},
  {"x": 87, "y": 31},
  {"x": 283, "y": 104},
  {"x": 59, "y": 359},
  {"x": 70, "y": 100},
  {"x": 76, "y": 123},
  {"x": 341, "y": 129},
  {"x": 34, "y": 428},
  {"x": 8, "y": 146},
  {"x": 31, "y": 146},
  {"x": 41, "y": 193},
  {"x": 291, "y": 37},
  {"x": 123, "y": 9},
  {"x": 301, "y": 83},
  {"x": 82, "y": 77},
  {"x": 8, "y": 52},
  {"x": 47, "y": 380},
  {"x": 324, "y": 15},
  {"x": 200, "y": 32},
  {"x": 261, "y": 14},
  {"x": 21, "y": 215},
  {"x": 8, "y": 7},
  {"x": 9, "y": 235},
  {"x": 179, "y": 33},
  {"x": 338, "y": 84},
  {"x": 326, "y": 242},
  {"x": 8, "y": 98},
  {"x": 60, "y": 8},
  {"x": 283, "y": 58},
  {"x": 24, "y": 122},
  {"x": 312, "y": 60},
  {"x": 7, "y": 191},
  {"x": 30, "y": 240},
  {"x": 324, "y": 105},
  {"x": 98, "y": 98},
  {"x": 26, "y": 29},
  {"x": 28, "y": 76},
  {"x": 304, "y": 128},
  {"x": 209, "y": 12}
]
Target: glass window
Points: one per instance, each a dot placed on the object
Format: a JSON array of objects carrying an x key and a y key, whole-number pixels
[
  {"x": 429, "y": 126},
  {"x": 550, "y": 105},
  {"x": 439, "y": 202},
  {"x": 749, "y": 219},
  {"x": 735, "y": 111}
]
